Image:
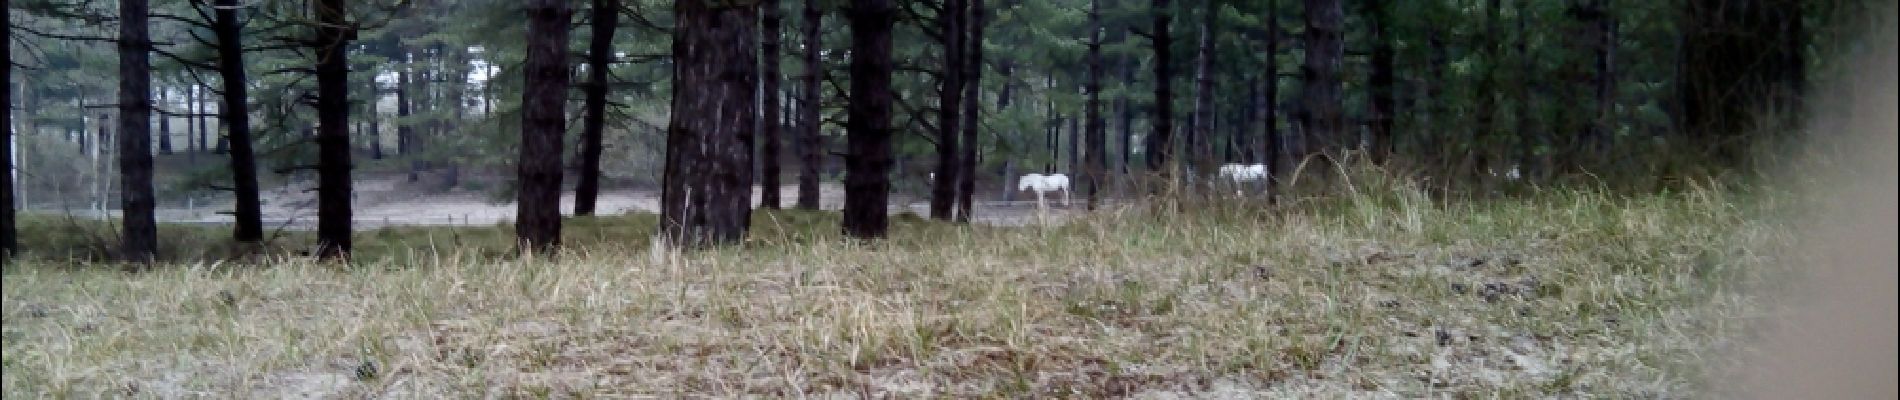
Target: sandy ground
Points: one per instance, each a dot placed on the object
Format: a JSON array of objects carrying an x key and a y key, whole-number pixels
[{"x": 387, "y": 202}]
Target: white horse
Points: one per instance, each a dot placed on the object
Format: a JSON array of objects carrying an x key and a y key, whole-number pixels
[
  {"x": 1040, "y": 183},
  {"x": 1243, "y": 173}
]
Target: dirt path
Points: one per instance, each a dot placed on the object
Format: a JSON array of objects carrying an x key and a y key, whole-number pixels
[{"x": 381, "y": 203}]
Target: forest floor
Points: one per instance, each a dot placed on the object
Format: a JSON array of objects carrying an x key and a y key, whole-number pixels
[{"x": 1379, "y": 295}]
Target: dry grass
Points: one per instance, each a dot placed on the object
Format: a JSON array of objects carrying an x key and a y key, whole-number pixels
[{"x": 1376, "y": 295}]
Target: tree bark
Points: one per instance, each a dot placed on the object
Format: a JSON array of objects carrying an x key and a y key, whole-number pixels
[
  {"x": 9, "y": 241},
  {"x": 1325, "y": 124},
  {"x": 1605, "y": 122},
  {"x": 374, "y": 117},
  {"x": 1486, "y": 91},
  {"x": 1126, "y": 107},
  {"x": 810, "y": 148},
  {"x": 333, "y": 130},
  {"x": 140, "y": 240},
  {"x": 972, "y": 110},
  {"x": 1160, "y": 144},
  {"x": 1381, "y": 106},
  {"x": 164, "y": 127},
  {"x": 868, "y": 164},
  {"x": 599, "y": 61},
  {"x": 191, "y": 123},
  {"x": 1201, "y": 136},
  {"x": 943, "y": 189},
  {"x": 405, "y": 130},
  {"x": 234, "y": 114},
  {"x": 707, "y": 189},
  {"x": 1273, "y": 143},
  {"x": 1005, "y": 71},
  {"x": 543, "y": 123},
  {"x": 1097, "y": 132},
  {"x": 769, "y": 185}
]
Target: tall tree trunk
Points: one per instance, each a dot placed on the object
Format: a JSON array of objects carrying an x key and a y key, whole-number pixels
[
  {"x": 1748, "y": 62},
  {"x": 1436, "y": 120},
  {"x": 1097, "y": 132},
  {"x": 707, "y": 189},
  {"x": 1325, "y": 123},
  {"x": 1005, "y": 72},
  {"x": 1052, "y": 138},
  {"x": 1382, "y": 105},
  {"x": 1485, "y": 122},
  {"x": 1529, "y": 134},
  {"x": 191, "y": 122},
  {"x": 9, "y": 242},
  {"x": 943, "y": 189},
  {"x": 164, "y": 127},
  {"x": 769, "y": 185},
  {"x": 374, "y": 115},
  {"x": 1126, "y": 107},
  {"x": 543, "y": 123},
  {"x": 868, "y": 164},
  {"x": 1160, "y": 144},
  {"x": 405, "y": 95},
  {"x": 1274, "y": 145},
  {"x": 1075, "y": 167},
  {"x": 972, "y": 110},
  {"x": 1201, "y": 136},
  {"x": 599, "y": 62},
  {"x": 234, "y": 113},
  {"x": 140, "y": 240},
  {"x": 333, "y": 130},
  {"x": 1603, "y": 120},
  {"x": 810, "y": 148}
]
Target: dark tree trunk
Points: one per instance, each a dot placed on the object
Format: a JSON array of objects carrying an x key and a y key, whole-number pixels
[
  {"x": 1160, "y": 144},
  {"x": 1053, "y": 131},
  {"x": 234, "y": 115},
  {"x": 599, "y": 61},
  {"x": 868, "y": 164},
  {"x": 333, "y": 131},
  {"x": 164, "y": 128},
  {"x": 1435, "y": 120},
  {"x": 1485, "y": 121},
  {"x": 1273, "y": 143},
  {"x": 1325, "y": 124},
  {"x": 140, "y": 240},
  {"x": 1747, "y": 62},
  {"x": 943, "y": 189},
  {"x": 191, "y": 122},
  {"x": 1528, "y": 132},
  {"x": 1005, "y": 72},
  {"x": 707, "y": 194},
  {"x": 1381, "y": 106},
  {"x": 204, "y": 122},
  {"x": 1097, "y": 132},
  {"x": 769, "y": 185},
  {"x": 810, "y": 148},
  {"x": 1201, "y": 136},
  {"x": 375, "y": 118},
  {"x": 1126, "y": 107},
  {"x": 405, "y": 130},
  {"x": 973, "y": 88},
  {"x": 9, "y": 242},
  {"x": 1075, "y": 144},
  {"x": 1605, "y": 118},
  {"x": 543, "y": 123}
]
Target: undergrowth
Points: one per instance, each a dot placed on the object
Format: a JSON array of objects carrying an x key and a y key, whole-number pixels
[{"x": 1382, "y": 293}]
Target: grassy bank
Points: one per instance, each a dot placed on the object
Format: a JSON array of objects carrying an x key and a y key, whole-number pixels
[{"x": 1378, "y": 294}]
